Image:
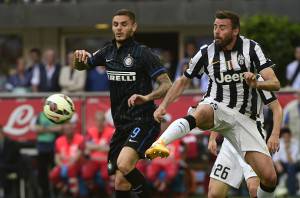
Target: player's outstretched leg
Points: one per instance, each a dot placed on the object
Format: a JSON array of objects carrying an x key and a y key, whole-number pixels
[
  {"x": 176, "y": 130},
  {"x": 203, "y": 118}
]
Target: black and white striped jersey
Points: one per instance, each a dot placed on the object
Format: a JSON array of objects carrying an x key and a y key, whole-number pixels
[
  {"x": 225, "y": 71},
  {"x": 264, "y": 98}
]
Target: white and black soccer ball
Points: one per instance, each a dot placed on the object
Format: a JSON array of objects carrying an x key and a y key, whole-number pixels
[{"x": 59, "y": 108}]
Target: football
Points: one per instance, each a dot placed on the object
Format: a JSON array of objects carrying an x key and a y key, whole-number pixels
[{"x": 59, "y": 108}]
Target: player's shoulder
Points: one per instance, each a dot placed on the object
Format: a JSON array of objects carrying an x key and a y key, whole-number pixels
[
  {"x": 202, "y": 51},
  {"x": 251, "y": 41},
  {"x": 144, "y": 50},
  {"x": 106, "y": 47},
  {"x": 246, "y": 39}
]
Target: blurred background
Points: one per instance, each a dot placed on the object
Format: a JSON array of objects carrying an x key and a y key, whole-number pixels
[{"x": 37, "y": 38}]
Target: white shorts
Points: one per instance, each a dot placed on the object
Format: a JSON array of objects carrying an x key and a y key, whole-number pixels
[
  {"x": 239, "y": 129},
  {"x": 230, "y": 168}
]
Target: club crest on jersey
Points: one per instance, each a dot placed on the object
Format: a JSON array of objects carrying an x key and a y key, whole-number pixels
[
  {"x": 241, "y": 59},
  {"x": 128, "y": 61}
]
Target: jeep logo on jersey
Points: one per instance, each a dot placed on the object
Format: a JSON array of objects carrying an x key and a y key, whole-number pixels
[
  {"x": 226, "y": 78},
  {"x": 121, "y": 76},
  {"x": 128, "y": 61}
]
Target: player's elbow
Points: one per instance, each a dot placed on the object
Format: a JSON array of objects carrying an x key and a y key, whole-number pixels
[
  {"x": 183, "y": 82},
  {"x": 276, "y": 85}
]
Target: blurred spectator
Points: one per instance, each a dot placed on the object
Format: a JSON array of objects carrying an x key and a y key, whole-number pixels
[
  {"x": 35, "y": 59},
  {"x": 96, "y": 150},
  {"x": 291, "y": 116},
  {"x": 9, "y": 163},
  {"x": 97, "y": 79},
  {"x": 45, "y": 77},
  {"x": 46, "y": 134},
  {"x": 68, "y": 153},
  {"x": 162, "y": 172},
  {"x": 168, "y": 62},
  {"x": 20, "y": 81},
  {"x": 71, "y": 80},
  {"x": 287, "y": 159},
  {"x": 293, "y": 71},
  {"x": 3, "y": 79},
  {"x": 190, "y": 51}
]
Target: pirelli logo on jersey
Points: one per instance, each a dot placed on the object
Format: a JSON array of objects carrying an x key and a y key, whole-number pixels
[
  {"x": 228, "y": 77},
  {"x": 121, "y": 76}
]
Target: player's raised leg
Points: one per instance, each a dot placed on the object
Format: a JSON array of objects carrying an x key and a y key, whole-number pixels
[{"x": 203, "y": 118}]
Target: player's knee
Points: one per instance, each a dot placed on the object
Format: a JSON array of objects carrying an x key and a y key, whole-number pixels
[
  {"x": 204, "y": 116},
  {"x": 212, "y": 193},
  {"x": 270, "y": 179},
  {"x": 124, "y": 167}
]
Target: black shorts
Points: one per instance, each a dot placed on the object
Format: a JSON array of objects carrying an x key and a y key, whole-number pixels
[{"x": 138, "y": 135}]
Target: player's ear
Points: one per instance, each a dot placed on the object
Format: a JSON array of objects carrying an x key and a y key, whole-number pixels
[
  {"x": 134, "y": 28},
  {"x": 236, "y": 31}
]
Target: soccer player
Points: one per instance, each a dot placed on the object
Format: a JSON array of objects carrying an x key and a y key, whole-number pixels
[
  {"x": 230, "y": 104},
  {"x": 229, "y": 168},
  {"x": 131, "y": 67}
]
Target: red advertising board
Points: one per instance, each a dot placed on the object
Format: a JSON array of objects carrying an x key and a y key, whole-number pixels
[{"x": 18, "y": 114}]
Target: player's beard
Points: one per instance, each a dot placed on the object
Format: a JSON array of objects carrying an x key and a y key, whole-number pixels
[
  {"x": 222, "y": 43},
  {"x": 127, "y": 35}
]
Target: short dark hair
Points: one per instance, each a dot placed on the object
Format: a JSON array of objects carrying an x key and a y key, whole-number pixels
[
  {"x": 126, "y": 12},
  {"x": 226, "y": 14},
  {"x": 36, "y": 50}
]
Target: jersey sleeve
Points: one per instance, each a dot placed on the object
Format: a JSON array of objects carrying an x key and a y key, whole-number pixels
[
  {"x": 196, "y": 64},
  {"x": 97, "y": 58},
  {"x": 260, "y": 60},
  {"x": 266, "y": 96},
  {"x": 152, "y": 63}
]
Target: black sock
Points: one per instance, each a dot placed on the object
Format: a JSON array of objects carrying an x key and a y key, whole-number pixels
[
  {"x": 138, "y": 182},
  {"x": 122, "y": 194}
]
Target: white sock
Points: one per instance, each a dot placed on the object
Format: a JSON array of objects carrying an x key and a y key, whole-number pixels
[
  {"x": 176, "y": 130},
  {"x": 263, "y": 194}
]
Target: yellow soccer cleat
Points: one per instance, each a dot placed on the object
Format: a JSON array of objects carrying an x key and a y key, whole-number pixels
[{"x": 158, "y": 149}]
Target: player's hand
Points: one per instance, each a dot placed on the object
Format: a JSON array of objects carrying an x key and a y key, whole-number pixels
[
  {"x": 136, "y": 99},
  {"x": 273, "y": 143},
  {"x": 82, "y": 56},
  {"x": 250, "y": 79},
  {"x": 159, "y": 113},
  {"x": 212, "y": 147}
]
